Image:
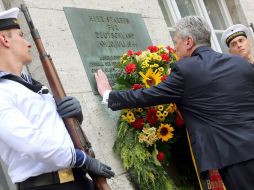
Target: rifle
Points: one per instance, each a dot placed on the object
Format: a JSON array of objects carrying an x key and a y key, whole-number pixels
[
  {"x": 78, "y": 136},
  {"x": 252, "y": 26}
]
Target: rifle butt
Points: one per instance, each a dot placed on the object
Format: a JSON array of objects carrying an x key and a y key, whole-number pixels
[
  {"x": 84, "y": 144},
  {"x": 101, "y": 183}
]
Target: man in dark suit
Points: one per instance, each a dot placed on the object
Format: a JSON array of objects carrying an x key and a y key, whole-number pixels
[{"x": 215, "y": 93}]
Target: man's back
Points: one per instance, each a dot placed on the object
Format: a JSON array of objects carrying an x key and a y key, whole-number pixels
[
  {"x": 217, "y": 104},
  {"x": 215, "y": 93}
]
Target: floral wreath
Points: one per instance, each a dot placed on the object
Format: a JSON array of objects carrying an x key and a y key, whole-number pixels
[{"x": 145, "y": 135}]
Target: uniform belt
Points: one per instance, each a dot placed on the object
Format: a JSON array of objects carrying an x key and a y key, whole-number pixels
[{"x": 61, "y": 176}]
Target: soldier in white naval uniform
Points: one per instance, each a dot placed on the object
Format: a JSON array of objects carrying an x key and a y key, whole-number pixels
[{"x": 34, "y": 142}]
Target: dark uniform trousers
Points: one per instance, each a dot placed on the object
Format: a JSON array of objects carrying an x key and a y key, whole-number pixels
[
  {"x": 50, "y": 181},
  {"x": 239, "y": 176}
]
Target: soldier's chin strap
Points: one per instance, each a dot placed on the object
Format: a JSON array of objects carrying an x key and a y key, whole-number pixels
[{"x": 36, "y": 86}]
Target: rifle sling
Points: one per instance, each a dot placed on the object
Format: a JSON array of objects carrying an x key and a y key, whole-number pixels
[{"x": 36, "y": 86}]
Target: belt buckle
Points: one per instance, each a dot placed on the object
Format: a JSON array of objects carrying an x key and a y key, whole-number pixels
[{"x": 65, "y": 175}]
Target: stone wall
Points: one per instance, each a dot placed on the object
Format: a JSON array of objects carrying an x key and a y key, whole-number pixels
[
  {"x": 248, "y": 9},
  {"x": 99, "y": 123}
]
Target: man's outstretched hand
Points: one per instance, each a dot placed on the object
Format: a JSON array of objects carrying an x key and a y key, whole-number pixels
[{"x": 102, "y": 82}]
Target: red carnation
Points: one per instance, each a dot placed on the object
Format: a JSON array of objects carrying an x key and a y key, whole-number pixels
[
  {"x": 130, "y": 52},
  {"x": 138, "y": 52},
  {"x": 151, "y": 116},
  {"x": 153, "y": 48},
  {"x": 164, "y": 77},
  {"x": 165, "y": 57},
  {"x": 138, "y": 123},
  {"x": 170, "y": 50},
  {"x": 179, "y": 121},
  {"x": 137, "y": 86},
  {"x": 160, "y": 156},
  {"x": 131, "y": 67}
]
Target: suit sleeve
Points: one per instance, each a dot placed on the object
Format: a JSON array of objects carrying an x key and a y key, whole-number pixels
[{"x": 170, "y": 90}]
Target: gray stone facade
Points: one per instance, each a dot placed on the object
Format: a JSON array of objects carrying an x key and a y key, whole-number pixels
[{"x": 99, "y": 123}]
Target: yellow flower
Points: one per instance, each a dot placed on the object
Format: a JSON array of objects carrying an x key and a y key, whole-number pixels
[
  {"x": 160, "y": 107},
  {"x": 158, "y": 114},
  {"x": 149, "y": 130},
  {"x": 130, "y": 114},
  {"x": 148, "y": 136},
  {"x": 154, "y": 65},
  {"x": 124, "y": 118},
  {"x": 153, "y": 56},
  {"x": 161, "y": 69},
  {"x": 142, "y": 138},
  {"x": 177, "y": 58},
  {"x": 129, "y": 117},
  {"x": 141, "y": 57},
  {"x": 160, "y": 46},
  {"x": 161, "y": 118},
  {"x": 165, "y": 132},
  {"x": 145, "y": 64},
  {"x": 151, "y": 78},
  {"x": 131, "y": 120},
  {"x": 125, "y": 110},
  {"x": 158, "y": 58},
  {"x": 171, "y": 108},
  {"x": 123, "y": 58},
  {"x": 139, "y": 110},
  {"x": 165, "y": 113},
  {"x": 147, "y": 60},
  {"x": 152, "y": 139}
]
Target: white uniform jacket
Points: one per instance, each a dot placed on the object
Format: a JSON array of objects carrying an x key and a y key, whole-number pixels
[{"x": 33, "y": 138}]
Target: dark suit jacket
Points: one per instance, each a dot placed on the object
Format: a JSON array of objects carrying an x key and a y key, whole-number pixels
[{"x": 215, "y": 93}]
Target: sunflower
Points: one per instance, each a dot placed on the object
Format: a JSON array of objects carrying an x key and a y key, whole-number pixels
[
  {"x": 165, "y": 132},
  {"x": 151, "y": 78}
]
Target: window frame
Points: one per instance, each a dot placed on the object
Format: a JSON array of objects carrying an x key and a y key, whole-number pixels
[{"x": 200, "y": 8}]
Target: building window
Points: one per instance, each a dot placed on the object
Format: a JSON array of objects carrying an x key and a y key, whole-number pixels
[
  {"x": 1, "y": 6},
  {"x": 214, "y": 12}
]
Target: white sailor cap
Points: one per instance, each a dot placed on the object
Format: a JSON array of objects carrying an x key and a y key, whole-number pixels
[
  {"x": 232, "y": 32},
  {"x": 8, "y": 19}
]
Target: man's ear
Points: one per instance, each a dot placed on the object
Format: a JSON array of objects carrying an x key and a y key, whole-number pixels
[
  {"x": 4, "y": 40},
  {"x": 189, "y": 43}
]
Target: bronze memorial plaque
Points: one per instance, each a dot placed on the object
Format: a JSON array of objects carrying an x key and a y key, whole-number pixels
[{"x": 103, "y": 36}]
